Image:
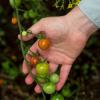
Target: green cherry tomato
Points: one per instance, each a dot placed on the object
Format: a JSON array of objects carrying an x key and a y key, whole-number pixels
[
  {"x": 49, "y": 88},
  {"x": 66, "y": 92},
  {"x": 26, "y": 15},
  {"x": 57, "y": 97},
  {"x": 32, "y": 14},
  {"x": 24, "y": 33},
  {"x": 42, "y": 69},
  {"x": 15, "y": 3},
  {"x": 54, "y": 78}
]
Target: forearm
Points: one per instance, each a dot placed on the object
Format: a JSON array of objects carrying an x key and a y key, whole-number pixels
[
  {"x": 82, "y": 24},
  {"x": 91, "y": 8}
]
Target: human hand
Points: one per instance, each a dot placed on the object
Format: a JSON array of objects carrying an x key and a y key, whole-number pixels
[{"x": 68, "y": 35}]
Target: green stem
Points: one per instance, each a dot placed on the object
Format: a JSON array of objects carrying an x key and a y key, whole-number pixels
[{"x": 22, "y": 49}]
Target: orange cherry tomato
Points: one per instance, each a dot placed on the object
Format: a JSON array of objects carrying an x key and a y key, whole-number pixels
[
  {"x": 34, "y": 60},
  {"x": 14, "y": 20},
  {"x": 1, "y": 82},
  {"x": 44, "y": 44}
]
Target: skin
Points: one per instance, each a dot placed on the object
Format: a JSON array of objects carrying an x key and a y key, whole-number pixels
[{"x": 68, "y": 35}]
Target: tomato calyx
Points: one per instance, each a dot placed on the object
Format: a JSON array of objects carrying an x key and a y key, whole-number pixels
[{"x": 41, "y": 35}]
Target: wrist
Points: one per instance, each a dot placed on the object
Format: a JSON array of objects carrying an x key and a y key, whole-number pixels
[{"x": 80, "y": 23}]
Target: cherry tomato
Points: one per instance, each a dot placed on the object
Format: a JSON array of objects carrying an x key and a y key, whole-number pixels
[
  {"x": 54, "y": 78},
  {"x": 49, "y": 88},
  {"x": 66, "y": 92},
  {"x": 34, "y": 60},
  {"x": 42, "y": 69},
  {"x": 14, "y": 20},
  {"x": 26, "y": 15},
  {"x": 14, "y": 3},
  {"x": 57, "y": 97},
  {"x": 1, "y": 82},
  {"x": 44, "y": 44},
  {"x": 24, "y": 33},
  {"x": 32, "y": 14}
]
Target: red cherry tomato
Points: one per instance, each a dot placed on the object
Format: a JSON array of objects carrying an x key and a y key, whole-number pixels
[{"x": 34, "y": 60}]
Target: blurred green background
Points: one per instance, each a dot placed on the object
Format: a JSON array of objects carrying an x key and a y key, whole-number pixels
[{"x": 84, "y": 79}]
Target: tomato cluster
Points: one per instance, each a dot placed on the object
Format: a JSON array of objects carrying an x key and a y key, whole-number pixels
[
  {"x": 44, "y": 78},
  {"x": 48, "y": 81}
]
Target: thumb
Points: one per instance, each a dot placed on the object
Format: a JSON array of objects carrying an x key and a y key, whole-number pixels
[{"x": 35, "y": 29}]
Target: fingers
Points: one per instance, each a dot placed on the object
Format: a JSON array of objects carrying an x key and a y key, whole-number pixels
[
  {"x": 65, "y": 69},
  {"x": 25, "y": 65},
  {"x": 29, "y": 79},
  {"x": 26, "y": 38},
  {"x": 37, "y": 89},
  {"x": 53, "y": 67},
  {"x": 35, "y": 29}
]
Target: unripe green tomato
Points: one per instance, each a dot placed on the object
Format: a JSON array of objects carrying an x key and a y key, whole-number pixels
[
  {"x": 57, "y": 97},
  {"x": 26, "y": 15},
  {"x": 32, "y": 14},
  {"x": 42, "y": 69},
  {"x": 49, "y": 88},
  {"x": 66, "y": 92},
  {"x": 54, "y": 78},
  {"x": 24, "y": 33},
  {"x": 15, "y": 3}
]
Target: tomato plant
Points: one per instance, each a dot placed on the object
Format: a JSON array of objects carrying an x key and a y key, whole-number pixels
[
  {"x": 49, "y": 88},
  {"x": 41, "y": 79},
  {"x": 14, "y": 3}
]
